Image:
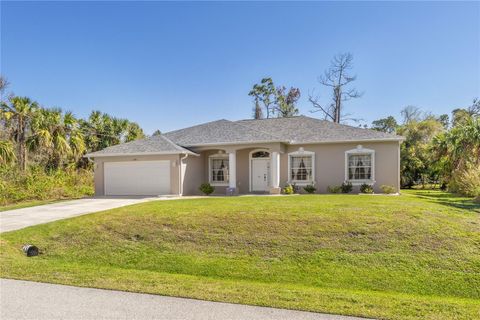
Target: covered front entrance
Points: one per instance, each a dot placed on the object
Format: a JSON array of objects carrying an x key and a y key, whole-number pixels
[
  {"x": 241, "y": 170},
  {"x": 259, "y": 171}
]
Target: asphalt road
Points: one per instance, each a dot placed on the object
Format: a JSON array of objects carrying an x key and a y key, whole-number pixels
[{"x": 33, "y": 300}]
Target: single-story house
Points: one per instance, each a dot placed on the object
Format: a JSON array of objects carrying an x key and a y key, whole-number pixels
[{"x": 249, "y": 156}]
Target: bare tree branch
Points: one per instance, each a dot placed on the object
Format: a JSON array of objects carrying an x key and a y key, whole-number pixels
[
  {"x": 314, "y": 100},
  {"x": 337, "y": 77}
]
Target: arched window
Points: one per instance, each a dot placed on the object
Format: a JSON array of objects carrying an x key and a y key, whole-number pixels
[{"x": 261, "y": 154}]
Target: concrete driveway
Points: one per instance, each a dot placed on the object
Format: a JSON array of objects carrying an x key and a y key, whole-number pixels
[
  {"x": 25, "y": 217},
  {"x": 33, "y": 300}
]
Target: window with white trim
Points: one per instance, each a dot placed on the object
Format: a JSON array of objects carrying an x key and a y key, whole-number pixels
[
  {"x": 301, "y": 166},
  {"x": 219, "y": 169},
  {"x": 360, "y": 165}
]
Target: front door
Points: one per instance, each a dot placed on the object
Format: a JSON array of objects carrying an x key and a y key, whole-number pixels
[{"x": 260, "y": 174}]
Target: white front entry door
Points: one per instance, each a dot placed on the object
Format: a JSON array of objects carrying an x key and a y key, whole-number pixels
[{"x": 260, "y": 174}]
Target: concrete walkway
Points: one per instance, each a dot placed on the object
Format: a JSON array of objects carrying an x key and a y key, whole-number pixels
[
  {"x": 25, "y": 217},
  {"x": 33, "y": 300}
]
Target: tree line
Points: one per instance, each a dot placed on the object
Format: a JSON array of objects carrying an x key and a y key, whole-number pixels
[
  {"x": 53, "y": 138},
  {"x": 441, "y": 150}
]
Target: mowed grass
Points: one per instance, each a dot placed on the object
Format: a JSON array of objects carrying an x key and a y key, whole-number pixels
[
  {"x": 26, "y": 204},
  {"x": 414, "y": 256}
]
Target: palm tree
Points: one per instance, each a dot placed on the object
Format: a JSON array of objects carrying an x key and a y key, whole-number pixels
[
  {"x": 7, "y": 152},
  {"x": 18, "y": 115},
  {"x": 134, "y": 132},
  {"x": 101, "y": 131},
  {"x": 57, "y": 135},
  {"x": 76, "y": 139}
]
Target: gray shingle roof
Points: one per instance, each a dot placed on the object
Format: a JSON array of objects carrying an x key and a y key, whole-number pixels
[
  {"x": 219, "y": 132},
  {"x": 158, "y": 144},
  {"x": 304, "y": 129},
  {"x": 294, "y": 130}
]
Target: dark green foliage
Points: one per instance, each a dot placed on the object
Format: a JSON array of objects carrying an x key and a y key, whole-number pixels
[
  {"x": 437, "y": 152},
  {"x": 346, "y": 187},
  {"x": 37, "y": 184},
  {"x": 310, "y": 188},
  {"x": 285, "y": 102},
  {"x": 102, "y": 130},
  {"x": 207, "y": 188},
  {"x": 276, "y": 101},
  {"x": 388, "y": 124},
  {"x": 264, "y": 92},
  {"x": 289, "y": 189},
  {"x": 41, "y": 148},
  {"x": 417, "y": 163},
  {"x": 366, "y": 188}
]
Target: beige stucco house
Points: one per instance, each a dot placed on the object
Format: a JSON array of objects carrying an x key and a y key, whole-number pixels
[{"x": 249, "y": 156}]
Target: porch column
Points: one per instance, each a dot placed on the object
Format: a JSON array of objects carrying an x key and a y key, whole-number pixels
[
  {"x": 275, "y": 172},
  {"x": 232, "y": 161}
]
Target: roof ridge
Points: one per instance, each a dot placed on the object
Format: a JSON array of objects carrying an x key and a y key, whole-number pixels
[
  {"x": 197, "y": 125},
  {"x": 176, "y": 146},
  {"x": 349, "y": 126},
  {"x": 276, "y": 118}
]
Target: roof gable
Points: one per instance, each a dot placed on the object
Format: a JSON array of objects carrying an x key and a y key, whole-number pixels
[{"x": 158, "y": 144}]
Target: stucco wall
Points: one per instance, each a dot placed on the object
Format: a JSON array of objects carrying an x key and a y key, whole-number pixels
[
  {"x": 330, "y": 163},
  {"x": 329, "y": 166},
  {"x": 194, "y": 174},
  {"x": 174, "y": 172}
]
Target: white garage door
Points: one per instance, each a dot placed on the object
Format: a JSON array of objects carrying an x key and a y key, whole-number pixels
[{"x": 137, "y": 178}]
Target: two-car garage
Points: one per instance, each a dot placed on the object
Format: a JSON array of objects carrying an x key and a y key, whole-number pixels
[
  {"x": 137, "y": 178},
  {"x": 147, "y": 167}
]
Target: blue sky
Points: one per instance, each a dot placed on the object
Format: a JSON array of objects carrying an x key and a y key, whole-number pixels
[{"x": 171, "y": 65}]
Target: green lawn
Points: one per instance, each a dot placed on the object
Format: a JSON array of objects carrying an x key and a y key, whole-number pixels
[
  {"x": 415, "y": 256},
  {"x": 26, "y": 204}
]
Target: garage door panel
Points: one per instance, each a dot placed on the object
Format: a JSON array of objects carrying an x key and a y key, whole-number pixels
[{"x": 127, "y": 178}]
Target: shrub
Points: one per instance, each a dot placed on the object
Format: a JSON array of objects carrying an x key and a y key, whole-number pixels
[
  {"x": 466, "y": 181},
  {"x": 334, "y": 189},
  {"x": 38, "y": 184},
  {"x": 288, "y": 189},
  {"x": 346, "y": 187},
  {"x": 310, "y": 188},
  {"x": 387, "y": 189},
  {"x": 366, "y": 188},
  {"x": 207, "y": 188}
]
